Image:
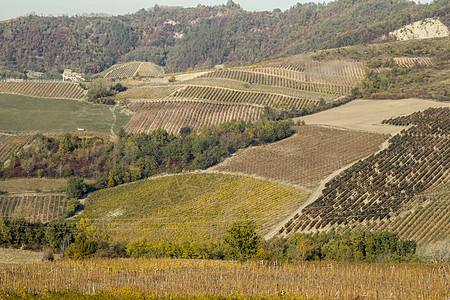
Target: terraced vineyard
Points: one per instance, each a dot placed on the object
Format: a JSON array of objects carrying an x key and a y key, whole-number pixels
[
  {"x": 305, "y": 158},
  {"x": 381, "y": 186},
  {"x": 34, "y": 207},
  {"x": 238, "y": 96},
  {"x": 190, "y": 207},
  {"x": 10, "y": 144},
  {"x": 410, "y": 62},
  {"x": 144, "y": 69},
  {"x": 335, "y": 77},
  {"x": 173, "y": 115},
  {"x": 65, "y": 90},
  {"x": 426, "y": 218}
]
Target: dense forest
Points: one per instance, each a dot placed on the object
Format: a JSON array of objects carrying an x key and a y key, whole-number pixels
[{"x": 187, "y": 38}]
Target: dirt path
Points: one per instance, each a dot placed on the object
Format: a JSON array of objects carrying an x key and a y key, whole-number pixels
[
  {"x": 317, "y": 193},
  {"x": 113, "y": 111}
]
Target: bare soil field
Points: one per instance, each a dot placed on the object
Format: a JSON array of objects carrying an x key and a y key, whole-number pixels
[
  {"x": 306, "y": 158},
  {"x": 367, "y": 114}
]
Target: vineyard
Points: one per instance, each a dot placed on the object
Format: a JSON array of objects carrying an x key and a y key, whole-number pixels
[
  {"x": 144, "y": 69},
  {"x": 147, "y": 92},
  {"x": 34, "y": 207},
  {"x": 410, "y": 62},
  {"x": 211, "y": 279},
  {"x": 11, "y": 144},
  {"x": 191, "y": 207},
  {"x": 237, "y": 96},
  {"x": 64, "y": 90},
  {"x": 378, "y": 188},
  {"x": 426, "y": 218},
  {"x": 173, "y": 115},
  {"x": 307, "y": 157}
]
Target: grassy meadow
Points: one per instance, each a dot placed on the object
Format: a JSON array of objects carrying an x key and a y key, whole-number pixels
[{"x": 30, "y": 114}]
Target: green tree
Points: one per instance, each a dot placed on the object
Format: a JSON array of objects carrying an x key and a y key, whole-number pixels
[
  {"x": 76, "y": 187},
  {"x": 243, "y": 240}
]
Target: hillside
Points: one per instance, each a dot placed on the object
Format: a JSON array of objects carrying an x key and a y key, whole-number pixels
[
  {"x": 187, "y": 38},
  {"x": 376, "y": 191},
  {"x": 196, "y": 207}
]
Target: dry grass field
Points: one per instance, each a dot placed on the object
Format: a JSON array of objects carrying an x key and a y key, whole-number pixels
[
  {"x": 305, "y": 158},
  {"x": 139, "y": 278},
  {"x": 33, "y": 185},
  {"x": 368, "y": 114}
]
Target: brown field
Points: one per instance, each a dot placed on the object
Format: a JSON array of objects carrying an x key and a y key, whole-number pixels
[
  {"x": 165, "y": 278},
  {"x": 305, "y": 158},
  {"x": 58, "y": 89},
  {"x": 368, "y": 114},
  {"x": 33, "y": 185},
  {"x": 173, "y": 115},
  {"x": 34, "y": 207},
  {"x": 147, "y": 92},
  {"x": 11, "y": 144},
  {"x": 16, "y": 256}
]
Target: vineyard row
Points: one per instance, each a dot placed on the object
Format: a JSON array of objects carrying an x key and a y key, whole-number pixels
[{"x": 44, "y": 89}]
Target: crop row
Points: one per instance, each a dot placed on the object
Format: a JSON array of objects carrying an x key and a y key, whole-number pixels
[
  {"x": 10, "y": 144},
  {"x": 124, "y": 71},
  {"x": 339, "y": 73},
  {"x": 149, "y": 69},
  {"x": 236, "y": 96},
  {"x": 190, "y": 207},
  {"x": 240, "y": 85},
  {"x": 212, "y": 279},
  {"x": 145, "y": 69},
  {"x": 410, "y": 62},
  {"x": 147, "y": 92},
  {"x": 378, "y": 187},
  {"x": 252, "y": 77},
  {"x": 173, "y": 115},
  {"x": 44, "y": 89},
  {"x": 305, "y": 158},
  {"x": 34, "y": 207}
]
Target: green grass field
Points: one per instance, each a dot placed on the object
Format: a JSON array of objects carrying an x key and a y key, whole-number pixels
[
  {"x": 190, "y": 207},
  {"x": 29, "y": 114}
]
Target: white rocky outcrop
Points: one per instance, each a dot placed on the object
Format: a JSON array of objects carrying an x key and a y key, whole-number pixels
[{"x": 428, "y": 28}]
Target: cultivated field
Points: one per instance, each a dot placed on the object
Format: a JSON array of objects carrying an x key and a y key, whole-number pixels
[
  {"x": 173, "y": 115},
  {"x": 11, "y": 144},
  {"x": 368, "y": 114},
  {"x": 190, "y": 207},
  {"x": 63, "y": 90},
  {"x": 127, "y": 70},
  {"x": 28, "y": 114},
  {"x": 306, "y": 157},
  {"x": 33, "y": 185},
  {"x": 382, "y": 186},
  {"x": 139, "y": 278},
  {"x": 147, "y": 92},
  {"x": 33, "y": 207},
  {"x": 238, "y": 96}
]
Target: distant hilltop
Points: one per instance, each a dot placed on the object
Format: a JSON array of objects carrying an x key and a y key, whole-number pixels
[{"x": 428, "y": 28}]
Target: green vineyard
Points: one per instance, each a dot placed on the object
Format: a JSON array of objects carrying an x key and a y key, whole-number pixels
[
  {"x": 380, "y": 187},
  {"x": 34, "y": 207},
  {"x": 190, "y": 207},
  {"x": 173, "y": 115},
  {"x": 64, "y": 90}
]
